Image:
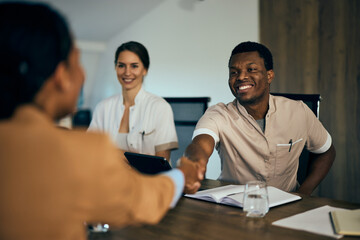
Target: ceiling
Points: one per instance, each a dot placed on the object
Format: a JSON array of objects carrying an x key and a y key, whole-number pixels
[{"x": 99, "y": 20}]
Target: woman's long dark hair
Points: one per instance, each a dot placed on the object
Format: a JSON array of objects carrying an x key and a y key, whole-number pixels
[{"x": 34, "y": 39}]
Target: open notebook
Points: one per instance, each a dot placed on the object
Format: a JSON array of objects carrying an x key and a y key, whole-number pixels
[{"x": 233, "y": 195}]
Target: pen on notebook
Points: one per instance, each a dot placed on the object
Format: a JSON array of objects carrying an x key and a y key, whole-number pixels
[{"x": 290, "y": 142}]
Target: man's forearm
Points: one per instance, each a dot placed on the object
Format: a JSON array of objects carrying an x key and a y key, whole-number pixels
[
  {"x": 319, "y": 167},
  {"x": 200, "y": 150},
  {"x": 195, "y": 153}
]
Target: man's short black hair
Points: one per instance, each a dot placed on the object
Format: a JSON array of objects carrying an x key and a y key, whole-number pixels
[{"x": 263, "y": 51}]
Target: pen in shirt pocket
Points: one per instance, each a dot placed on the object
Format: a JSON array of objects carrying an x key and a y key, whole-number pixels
[
  {"x": 292, "y": 143},
  {"x": 143, "y": 133}
]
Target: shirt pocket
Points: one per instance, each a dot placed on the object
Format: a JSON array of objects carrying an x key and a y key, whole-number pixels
[
  {"x": 148, "y": 141},
  {"x": 285, "y": 162},
  {"x": 147, "y": 134}
]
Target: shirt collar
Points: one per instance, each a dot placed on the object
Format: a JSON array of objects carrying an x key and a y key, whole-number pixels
[
  {"x": 271, "y": 105},
  {"x": 241, "y": 108},
  {"x": 243, "y": 111},
  {"x": 140, "y": 96},
  {"x": 30, "y": 113}
]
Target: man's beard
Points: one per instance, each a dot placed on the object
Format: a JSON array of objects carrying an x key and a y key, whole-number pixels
[{"x": 253, "y": 100}]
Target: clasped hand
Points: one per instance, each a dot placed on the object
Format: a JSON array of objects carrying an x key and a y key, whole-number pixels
[{"x": 193, "y": 173}]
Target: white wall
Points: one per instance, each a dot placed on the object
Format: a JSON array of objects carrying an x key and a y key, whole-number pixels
[
  {"x": 91, "y": 53},
  {"x": 189, "y": 42}
]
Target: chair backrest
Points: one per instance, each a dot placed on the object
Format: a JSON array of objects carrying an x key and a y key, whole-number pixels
[
  {"x": 187, "y": 111},
  {"x": 82, "y": 118},
  {"x": 313, "y": 102}
]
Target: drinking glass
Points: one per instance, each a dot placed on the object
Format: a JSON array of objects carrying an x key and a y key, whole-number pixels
[{"x": 256, "y": 199}]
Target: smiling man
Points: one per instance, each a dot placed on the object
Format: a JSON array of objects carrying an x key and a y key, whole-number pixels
[{"x": 259, "y": 136}]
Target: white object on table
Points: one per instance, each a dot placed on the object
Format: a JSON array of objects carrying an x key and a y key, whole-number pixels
[{"x": 314, "y": 221}]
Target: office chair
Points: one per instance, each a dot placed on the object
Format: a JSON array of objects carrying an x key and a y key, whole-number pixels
[
  {"x": 187, "y": 111},
  {"x": 313, "y": 102},
  {"x": 82, "y": 118}
]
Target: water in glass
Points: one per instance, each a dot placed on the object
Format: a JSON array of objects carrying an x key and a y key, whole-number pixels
[{"x": 256, "y": 200}]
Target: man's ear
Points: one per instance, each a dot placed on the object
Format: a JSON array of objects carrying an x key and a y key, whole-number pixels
[
  {"x": 270, "y": 75},
  {"x": 61, "y": 79}
]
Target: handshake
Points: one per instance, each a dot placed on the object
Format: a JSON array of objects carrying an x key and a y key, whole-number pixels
[{"x": 193, "y": 172}]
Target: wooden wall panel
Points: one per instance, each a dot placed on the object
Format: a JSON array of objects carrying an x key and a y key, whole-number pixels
[{"x": 315, "y": 44}]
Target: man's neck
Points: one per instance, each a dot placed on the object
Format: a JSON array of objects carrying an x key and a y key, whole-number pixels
[{"x": 257, "y": 111}]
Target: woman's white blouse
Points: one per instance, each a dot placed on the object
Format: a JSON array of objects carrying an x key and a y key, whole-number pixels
[
  {"x": 151, "y": 122},
  {"x": 121, "y": 141}
]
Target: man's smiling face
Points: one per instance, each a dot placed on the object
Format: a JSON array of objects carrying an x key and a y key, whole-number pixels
[{"x": 249, "y": 80}]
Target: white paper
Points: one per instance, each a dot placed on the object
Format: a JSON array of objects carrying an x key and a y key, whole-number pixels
[
  {"x": 218, "y": 193},
  {"x": 233, "y": 195},
  {"x": 314, "y": 221},
  {"x": 276, "y": 197}
]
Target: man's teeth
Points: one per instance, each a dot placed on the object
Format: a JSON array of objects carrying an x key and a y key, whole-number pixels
[
  {"x": 127, "y": 80},
  {"x": 244, "y": 87}
]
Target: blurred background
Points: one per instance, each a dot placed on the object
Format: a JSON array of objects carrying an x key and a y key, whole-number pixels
[{"x": 315, "y": 44}]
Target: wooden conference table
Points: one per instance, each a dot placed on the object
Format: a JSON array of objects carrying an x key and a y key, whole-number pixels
[{"x": 195, "y": 219}]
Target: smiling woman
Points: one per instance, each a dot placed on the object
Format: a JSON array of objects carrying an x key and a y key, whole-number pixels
[{"x": 138, "y": 121}]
